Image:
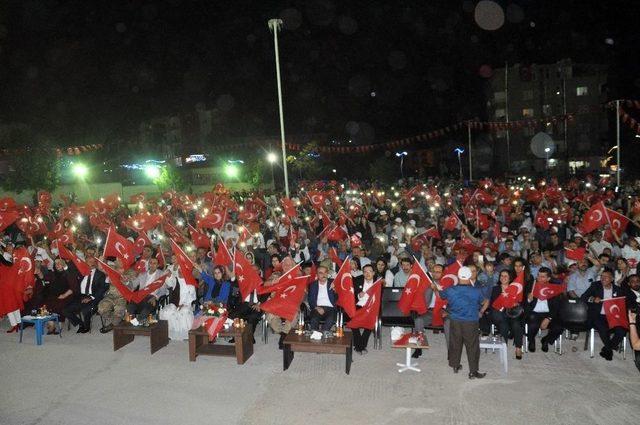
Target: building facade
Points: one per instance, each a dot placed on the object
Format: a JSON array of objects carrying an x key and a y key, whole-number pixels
[{"x": 544, "y": 95}]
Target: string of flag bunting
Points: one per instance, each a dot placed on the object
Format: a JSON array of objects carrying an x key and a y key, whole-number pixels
[{"x": 627, "y": 119}]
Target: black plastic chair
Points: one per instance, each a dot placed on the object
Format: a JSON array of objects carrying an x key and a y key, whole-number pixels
[{"x": 574, "y": 317}]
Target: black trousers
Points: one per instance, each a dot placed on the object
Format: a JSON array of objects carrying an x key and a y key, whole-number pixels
[
  {"x": 80, "y": 313},
  {"x": 533, "y": 323},
  {"x": 611, "y": 338},
  {"x": 467, "y": 334},
  {"x": 508, "y": 327},
  {"x": 329, "y": 318},
  {"x": 360, "y": 338},
  {"x": 245, "y": 312},
  {"x": 142, "y": 309}
]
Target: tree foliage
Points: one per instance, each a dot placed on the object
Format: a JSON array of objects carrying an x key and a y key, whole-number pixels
[
  {"x": 170, "y": 179},
  {"x": 305, "y": 164},
  {"x": 257, "y": 172},
  {"x": 33, "y": 163},
  {"x": 384, "y": 168}
]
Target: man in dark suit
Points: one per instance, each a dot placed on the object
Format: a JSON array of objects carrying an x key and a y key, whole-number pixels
[
  {"x": 593, "y": 296},
  {"x": 322, "y": 301},
  {"x": 87, "y": 294},
  {"x": 543, "y": 314}
]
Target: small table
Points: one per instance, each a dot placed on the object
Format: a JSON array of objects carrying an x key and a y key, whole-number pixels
[
  {"x": 303, "y": 343},
  {"x": 242, "y": 348},
  {"x": 38, "y": 324},
  {"x": 158, "y": 334},
  {"x": 404, "y": 343},
  {"x": 496, "y": 343}
]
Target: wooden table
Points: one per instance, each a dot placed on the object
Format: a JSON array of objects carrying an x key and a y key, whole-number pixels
[
  {"x": 158, "y": 334},
  {"x": 302, "y": 343},
  {"x": 242, "y": 348},
  {"x": 403, "y": 343}
]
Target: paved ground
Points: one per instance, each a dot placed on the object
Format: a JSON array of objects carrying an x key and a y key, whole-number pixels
[{"x": 80, "y": 380}]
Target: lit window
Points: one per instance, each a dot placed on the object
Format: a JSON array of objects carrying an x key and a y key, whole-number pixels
[
  {"x": 527, "y": 112},
  {"x": 501, "y": 113},
  {"x": 582, "y": 91}
]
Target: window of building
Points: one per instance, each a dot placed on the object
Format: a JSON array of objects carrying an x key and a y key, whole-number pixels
[
  {"x": 499, "y": 96},
  {"x": 547, "y": 110},
  {"x": 501, "y": 113},
  {"x": 582, "y": 91},
  {"x": 527, "y": 112},
  {"x": 527, "y": 94}
]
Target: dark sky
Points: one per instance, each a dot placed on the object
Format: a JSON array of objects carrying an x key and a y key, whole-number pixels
[{"x": 83, "y": 70}]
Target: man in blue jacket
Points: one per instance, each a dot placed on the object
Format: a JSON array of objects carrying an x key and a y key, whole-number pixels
[{"x": 322, "y": 301}]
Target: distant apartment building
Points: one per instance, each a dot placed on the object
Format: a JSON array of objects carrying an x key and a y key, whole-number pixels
[{"x": 545, "y": 92}]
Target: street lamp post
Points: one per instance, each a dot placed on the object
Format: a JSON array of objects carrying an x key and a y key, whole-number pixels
[
  {"x": 401, "y": 155},
  {"x": 546, "y": 155},
  {"x": 274, "y": 26},
  {"x": 460, "y": 151}
]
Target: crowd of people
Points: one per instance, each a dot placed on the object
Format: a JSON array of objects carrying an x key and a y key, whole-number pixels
[{"x": 486, "y": 238}]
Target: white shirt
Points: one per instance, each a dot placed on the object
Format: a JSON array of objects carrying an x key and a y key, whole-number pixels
[
  {"x": 597, "y": 247},
  {"x": 541, "y": 307},
  {"x": 632, "y": 256},
  {"x": 365, "y": 287},
  {"x": 187, "y": 292},
  {"x": 323, "y": 295},
  {"x": 608, "y": 293},
  {"x": 146, "y": 278},
  {"x": 84, "y": 290},
  {"x": 251, "y": 298}
]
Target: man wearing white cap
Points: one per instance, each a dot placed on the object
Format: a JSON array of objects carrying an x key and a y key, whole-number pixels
[{"x": 465, "y": 306}]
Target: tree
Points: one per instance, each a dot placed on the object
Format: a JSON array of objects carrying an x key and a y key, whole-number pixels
[
  {"x": 257, "y": 173},
  {"x": 33, "y": 161},
  {"x": 305, "y": 163},
  {"x": 169, "y": 179}
]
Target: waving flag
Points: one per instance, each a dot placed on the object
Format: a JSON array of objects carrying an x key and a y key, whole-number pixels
[
  {"x": 132, "y": 296},
  {"x": 412, "y": 298},
  {"x": 616, "y": 311},
  {"x": 546, "y": 291},
  {"x": 65, "y": 254},
  {"x": 7, "y": 218},
  {"x": 200, "y": 240},
  {"x": 617, "y": 221},
  {"x": 289, "y": 207},
  {"x": 343, "y": 286},
  {"x": 118, "y": 246},
  {"x": 451, "y": 222},
  {"x": 594, "y": 218},
  {"x": 185, "y": 263},
  {"x": 285, "y": 302},
  {"x": 367, "y": 316},
  {"x": 247, "y": 277}
]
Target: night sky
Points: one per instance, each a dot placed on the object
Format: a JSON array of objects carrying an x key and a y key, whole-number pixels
[{"x": 85, "y": 71}]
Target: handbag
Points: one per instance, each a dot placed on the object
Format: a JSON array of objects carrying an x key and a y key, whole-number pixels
[{"x": 514, "y": 312}]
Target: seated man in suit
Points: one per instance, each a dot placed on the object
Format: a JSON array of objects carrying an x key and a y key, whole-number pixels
[
  {"x": 542, "y": 314},
  {"x": 147, "y": 305},
  {"x": 594, "y": 295},
  {"x": 87, "y": 294},
  {"x": 322, "y": 301}
]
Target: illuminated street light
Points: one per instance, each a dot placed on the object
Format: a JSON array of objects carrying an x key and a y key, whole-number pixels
[
  {"x": 272, "y": 157},
  {"x": 152, "y": 171},
  {"x": 231, "y": 171},
  {"x": 459, "y": 151},
  {"x": 80, "y": 170},
  {"x": 401, "y": 155}
]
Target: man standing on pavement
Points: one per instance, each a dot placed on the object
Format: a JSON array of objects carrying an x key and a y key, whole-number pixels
[{"x": 465, "y": 306}]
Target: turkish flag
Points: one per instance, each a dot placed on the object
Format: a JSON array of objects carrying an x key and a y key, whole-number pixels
[
  {"x": 143, "y": 221},
  {"x": 333, "y": 255},
  {"x": 283, "y": 281},
  {"x": 367, "y": 316},
  {"x": 118, "y": 246},
  {"x": 185, "y": 263},
  {"x": 65, "y": 254},
  {"x": 343, "y": 285},
  {"x": 223, "y": 256},
  {"x": 450, "y": 275},
  {"x": 616, "y": 311},
  {"x": 451, "y": 222},
  {"x": 412, "y": 298},
  {"x": 7, "y": 204},
  {"x": 617, "y": 221},
  {"x": 337, "y": 234},
  {"x": 594, "y": 218},
  {"x": 546, "y": 291},
  {"x": 131, "y": 296},
  {"x": 247, "y": 216},
  {"x": 512, "y": 295},
  {"x": 289, "y": 208},
  {"x": 432, "y": 232},
  {"x": 213, "y": 220},
  {"x": 140, "y": 266},
  {"x": 285, "y": 302},
  {"x": 141, "y": 241},
  {"x": 316, "y": 198},
  {"x": 247, "y": 276},
  {"x": 7, "y": 218},
  {"x": 173, "y": 232},
  {"x": 575, "y": 254},
  {"x": 200, "y": 240},
  {"x": 160, "y": 256},
  {"x": 482, "y": 197},
  {"x": 25, "y": 262},
  {"x": 541, "y": 220}
]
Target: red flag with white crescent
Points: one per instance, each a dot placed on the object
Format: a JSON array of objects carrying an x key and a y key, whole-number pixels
[
  {"x": 546, "y": 291},
  {"x": 65, "y": 254},
  {"x": 367, "y": 316},
  {"x": 616, "y": 311},
  {"x": 120, "y": 247},
  {"x": 247, "y": 277},
  {"x": 412, "y": 298},
  {"x": 285, "y": 302},
  {"x": 343, "y": 286},
  {"x": 185, "y": 264}
]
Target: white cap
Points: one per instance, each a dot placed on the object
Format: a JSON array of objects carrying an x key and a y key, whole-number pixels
[
  {"x": 577, "y": 235},
  {"x": 464, "y": 273},
  {"x": 504, "y": 229},
  {"x": 383, "y": 212},
  {"x": 398, "y": 220},
  {"x": 409, "y": 211},
  {"x": 412, "y": 222},
  {"x": 358, "y": 234}
]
